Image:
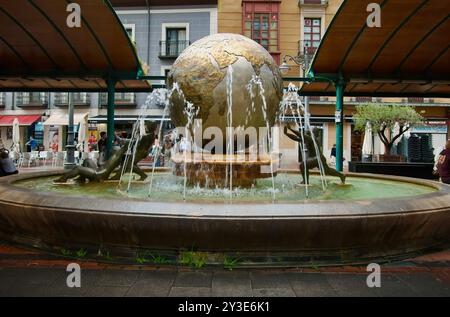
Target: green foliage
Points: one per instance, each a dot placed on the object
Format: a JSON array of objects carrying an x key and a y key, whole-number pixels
[
  {"x": 229, "y": 263},
  {"x": 66, "y": 252},
  {"x": 385, "y": 116},
  {"x": 383, "y": 119},
  {"x": 108, "y": 256},
  {"x": 141, "y": 260},
  {"x": 191, "y": 258},
  {"x": 158, "y": 259},
  {"x": 81, "y": 253}
]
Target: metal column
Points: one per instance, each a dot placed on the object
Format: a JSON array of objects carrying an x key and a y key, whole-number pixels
[
  {"x": 110, "y": 117},
  {"x": 339, "y": 119},
  {"x": 70, "y": 157}
]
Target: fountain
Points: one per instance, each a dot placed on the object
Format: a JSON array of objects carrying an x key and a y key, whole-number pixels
[{"x": 225, "y": 194}]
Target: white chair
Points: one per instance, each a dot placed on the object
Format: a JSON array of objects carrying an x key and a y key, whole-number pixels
[
  {"x": 58, "y": 159},
  {"x": 94, "y": 155},
  {"x": 44, "y": 156},
  {"x": 34, "y": 157}
]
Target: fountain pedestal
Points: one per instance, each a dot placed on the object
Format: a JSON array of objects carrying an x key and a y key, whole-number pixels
[{"x": 213, "y": 170}]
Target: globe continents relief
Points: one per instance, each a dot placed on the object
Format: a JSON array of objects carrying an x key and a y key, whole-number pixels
[{"x": 201, "y": 73}]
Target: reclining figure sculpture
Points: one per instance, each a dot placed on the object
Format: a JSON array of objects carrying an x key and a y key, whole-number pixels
[
  {"x": 312, "y": 158},
  {"x": 90, "y": 171}
]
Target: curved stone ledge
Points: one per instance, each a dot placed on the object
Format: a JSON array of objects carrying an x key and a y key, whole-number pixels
[{"x": 350, "y": 229}]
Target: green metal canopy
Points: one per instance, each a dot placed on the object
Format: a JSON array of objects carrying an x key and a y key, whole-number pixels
[
  {"x": 407, "y": 56},
  {"x": 40, "y": 52}
]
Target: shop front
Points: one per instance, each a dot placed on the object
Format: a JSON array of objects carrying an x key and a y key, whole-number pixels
[
  {"x": 55, "y": 130},
  {"x": 29, "y": 125}
]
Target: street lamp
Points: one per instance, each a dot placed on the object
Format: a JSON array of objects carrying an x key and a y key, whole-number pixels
[{"x": 303, "y": 61}]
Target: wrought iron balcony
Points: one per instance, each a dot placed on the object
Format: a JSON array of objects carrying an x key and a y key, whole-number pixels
[
  {"x": 305, "y": 49},
  {"x": 79, "y": 99},
  {"x": 172, "y": 49},
  {"x": 121, "y": 98},
  {"x": 32, "y": 99},
  {"x": 313, "y": 2}
]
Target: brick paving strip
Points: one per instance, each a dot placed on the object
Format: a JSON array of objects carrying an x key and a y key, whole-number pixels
[{"x": 31, "y": 273}]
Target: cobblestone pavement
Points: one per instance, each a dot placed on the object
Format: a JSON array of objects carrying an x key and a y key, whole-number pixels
[{"x": 30, "y": 273}]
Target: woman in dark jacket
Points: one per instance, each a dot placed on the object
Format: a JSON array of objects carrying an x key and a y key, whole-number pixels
[{"x": 443, "y": 165}]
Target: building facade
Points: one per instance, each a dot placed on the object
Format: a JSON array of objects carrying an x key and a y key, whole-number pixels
[
  {"x": 160, "y": 33},
  {"x": 295, "y": 28}
]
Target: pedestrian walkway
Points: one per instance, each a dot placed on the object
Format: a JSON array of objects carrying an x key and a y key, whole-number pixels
[{"x": 31, "y": 273}]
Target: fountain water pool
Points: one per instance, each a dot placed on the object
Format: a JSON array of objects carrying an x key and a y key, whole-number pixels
[{"x": 169, "y": 188}]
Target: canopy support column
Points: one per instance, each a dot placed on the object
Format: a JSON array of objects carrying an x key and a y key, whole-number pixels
[
  {"x": 339, "y": 119},
  {"x": 110, "y": 116},
  {"x": 70, "y": 157}
]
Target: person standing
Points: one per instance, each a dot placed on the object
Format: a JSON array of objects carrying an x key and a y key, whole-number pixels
[
  {"x": 102, "y": 149},
  {"x": 333, "y": 155},
  {"x": 443, "y": 164},
  {"x": 32, "y": 143}
]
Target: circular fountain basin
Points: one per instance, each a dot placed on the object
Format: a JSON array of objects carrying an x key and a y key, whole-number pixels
[{"x": 369, "y": 218}]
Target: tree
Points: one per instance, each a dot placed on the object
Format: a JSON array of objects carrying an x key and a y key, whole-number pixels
[{"x": 383, "y": 119}]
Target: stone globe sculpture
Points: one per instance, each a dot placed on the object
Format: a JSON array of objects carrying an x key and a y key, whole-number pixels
[{"x": 201, "y": 73}]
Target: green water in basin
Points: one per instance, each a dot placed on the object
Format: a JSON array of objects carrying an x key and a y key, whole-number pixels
[{"x": 169, "y": 188}]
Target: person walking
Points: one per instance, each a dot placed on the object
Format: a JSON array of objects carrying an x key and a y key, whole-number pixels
[{"x": 443, "y": 164}]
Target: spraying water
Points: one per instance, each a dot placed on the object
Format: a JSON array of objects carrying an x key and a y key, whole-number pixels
[
  {"x": 292, "y": 103},
  {"x": 258, "y": 84},
  {"x": 158, "y": 96},
  {"x": 230, "y": 147}
]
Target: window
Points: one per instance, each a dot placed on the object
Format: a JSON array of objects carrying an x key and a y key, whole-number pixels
[
  {"x": 261, "y": 23},
  {"x": 175, "y": 38},
  {"x": 311, "y": 34}
]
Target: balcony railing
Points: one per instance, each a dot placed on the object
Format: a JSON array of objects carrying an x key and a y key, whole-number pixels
[
  {"x": 121, "y": 98},
  {"x": 79, "y": 99},
  {"x": 172, "y": 49},
  {"x": 415, "y": 100},
  {"x": 317, "y": 2},
  {"x": 305, "y": 49},
  {"x": 32, "y": 99}
]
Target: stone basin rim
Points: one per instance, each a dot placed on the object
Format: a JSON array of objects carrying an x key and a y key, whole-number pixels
[{"x": 430, "y": 202}]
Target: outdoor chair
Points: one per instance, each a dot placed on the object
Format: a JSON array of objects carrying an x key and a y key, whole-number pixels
[
  {"x": 58, "y": 159},
  {"x": 33, "y": 158},
  {"x": 45, "y": 156}
]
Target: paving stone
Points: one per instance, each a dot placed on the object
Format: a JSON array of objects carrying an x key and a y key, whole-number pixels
[
  {"x": 32, "y": 276},
  {"x": 347, "y": 284},
  {"x": 274, "y": 292},
  {"x": 190, "y": 292},
  {"x": 231, "y": 284},
  {"x": 105, "y": 291},
  {"x": 268, "y": 280},
  {"x": 310, "y": 284},
  {"x": 153, "y": 283},
  {"x": 116, "y": 278},
  {"x": 391, "y": 286},
  {"x": 193, "y": 279},
  {"x": 424, "y": 284}
]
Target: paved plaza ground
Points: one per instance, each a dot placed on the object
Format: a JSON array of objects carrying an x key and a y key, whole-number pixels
[{"x": 29, "y": 273}]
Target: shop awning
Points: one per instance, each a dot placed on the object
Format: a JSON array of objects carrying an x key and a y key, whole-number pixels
[
  {"x": 23, "y": 120},
  {"x": 40, "y": 52},
  {"x": 63, "y": 119},
  {"x": 407, "y": 56}
]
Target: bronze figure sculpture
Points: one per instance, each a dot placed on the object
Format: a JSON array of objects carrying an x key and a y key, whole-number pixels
[
  {"x": 90, "y": 171},
  {"x": 312, "y": 160}
]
